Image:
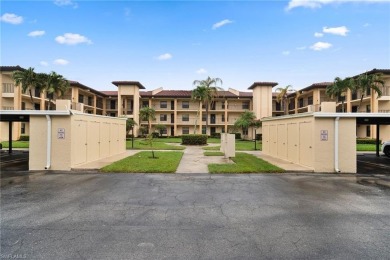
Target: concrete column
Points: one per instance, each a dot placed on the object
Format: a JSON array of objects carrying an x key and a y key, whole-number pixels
[
  {"x": 348, "y": 101},
  {"x": 226, "y": 116},
  {"x": 120, "y": 109},
  {"x": 200, "y": 117},
  {"x": 94, "y": 104},
  {"x": 175, "y": 116},
  {"x": 42, "y": 101}
]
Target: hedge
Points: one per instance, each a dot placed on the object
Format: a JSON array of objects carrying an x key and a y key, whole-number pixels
[
  {"x": 238, "y": 135},
  {"x": 366, "y": 141},
  {"x": 24, "y": 138},
  {"x": 216, "y": 135},
  {"x": 194, "y": 139}
]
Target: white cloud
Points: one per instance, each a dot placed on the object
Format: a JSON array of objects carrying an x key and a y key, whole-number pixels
[
  {"x": 11, "y": 18},
  {"x": 201, "y": 71},
  {"x": 66, "y": 3},
  {"x": 44, "y": 63},
  {"x": 319, "y": 3},
  {"x": 61, "y": 62},
  {"x": 318, "y": 35},
  {"x": 319, "y": 46},
  {"x": 221, "y": 23},
  {"x": 165, "y": 56},
  {"x": 342, "y": 30},
  {"x": 36, "y": 33},
  {"x": 72, "y": 39},
  {"x": 285, "y": 53}
]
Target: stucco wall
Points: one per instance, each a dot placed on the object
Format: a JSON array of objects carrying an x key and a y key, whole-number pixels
[
  {"x": 76, "y": 140},
  {"x": 310, "y": 141}
]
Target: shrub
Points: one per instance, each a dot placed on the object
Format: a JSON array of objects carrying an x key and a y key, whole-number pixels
[
  {"x": 194, "y": 139},
  {"x": 155, "y": 135},
  {"x": 24, "y": 138},
  {"x": 238, "y": 135},
  {"x": 366, "y": 141},
  {"x": 259, "y": 137},
  {"x": 216, "y": 135}
]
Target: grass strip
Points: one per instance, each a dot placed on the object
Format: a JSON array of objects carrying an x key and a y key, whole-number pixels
[
  {"x": 207, "y": 153},
  {"x": 245, "y": 163},
  {"x": 142, "y": 162},
  {"x": 17, "y": 144}
]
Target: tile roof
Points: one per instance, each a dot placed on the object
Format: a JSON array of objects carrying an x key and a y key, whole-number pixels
[
  {"x": 373, "y": 71},
  {"x": 78, "y": 84},
  {"x": 117, "y": 83},
  {"x": 110, "y": 93},
  {"x": 187, "y": 94},
  {"x": 11, "y": 68},
  {"x": 263, "y": 83}
]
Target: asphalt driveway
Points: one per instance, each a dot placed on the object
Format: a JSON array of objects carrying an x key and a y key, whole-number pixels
[{"x": 138, "y": 216}]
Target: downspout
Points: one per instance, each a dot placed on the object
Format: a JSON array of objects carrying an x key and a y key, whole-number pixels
[
  {"x": 336, "y": 144},
  {"x": 48, "y": 143}
]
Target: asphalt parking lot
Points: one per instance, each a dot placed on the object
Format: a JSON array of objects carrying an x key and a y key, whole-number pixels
[
  {"x": 142, "y": 216},
  {"x": 369, "y": 163}
]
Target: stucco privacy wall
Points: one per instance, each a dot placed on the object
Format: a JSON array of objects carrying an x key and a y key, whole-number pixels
[
  {"x": 76, "y": 139},
  {"x": 310, "y": 141}
]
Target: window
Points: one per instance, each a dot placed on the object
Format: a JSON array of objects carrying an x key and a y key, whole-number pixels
[
  {"x": 368, "y": 108},
  {"x": 310, "y": 100},
  {"x": 23, "y": 106},
  {"x": 368, "y": 131},
  {"x": 245, "y": 131},
  {"x": 163, "y": 131},
  {"x": 163, "y": 104},
  {"x": 50, "y": 95},
  {"x": 185, "y": 130},
  {"x": 145, "y": 103},
  {"x": 368, "y": 92},
  {"x": 245, "y": 105},
  {"x": 223, "y": 105},
  {"x": 223, "y": 118},
  {"x": 185, "y": 117},
  {"x": 112, "y": 104},
  {"x": 204, "y": 117},
  {"x": 8, "y": 88},
  {"x": 203, "y": 130},
  {"x": 81, "y": 98},
  {"x": 90, "y": 101},
  {"x": 37, "y": 92},
  {"x": 278, "y": 106},
  {"x": 185, "y": 104},
  {"x": 163, "y": 117},
  {"x": 23, "y": 128},
  {"x": 113, "y": 114},
  {"x": 300, "y": 101}
]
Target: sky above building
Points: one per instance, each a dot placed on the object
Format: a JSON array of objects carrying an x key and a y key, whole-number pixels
[{"x": 170, "y": 44}]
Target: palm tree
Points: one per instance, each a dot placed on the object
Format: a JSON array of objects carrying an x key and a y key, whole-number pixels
[
  {"x": 367, "y": 82},
  {"x": 338, "y": 88},
  {"x": 147, "y": 113},
  {"x": 198, "y": 94},
  {"x": 27, "y": 79},
  {"x": 247, "y": 119},
  {"x": 207, "y": 93},
  {"x": 52, "y": 83},
  {"x": 283, "y": 96}
]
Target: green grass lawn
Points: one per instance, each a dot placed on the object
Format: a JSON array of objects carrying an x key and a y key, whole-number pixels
[
  {"x": 244, "y": 163},
  {"x": 241, "y": 145},
  {"x": 366, "y": 147},
  {"x": 211, "y": 153},
  {"x": 142, "y": 162},
  {"x": 17, "y": 144},
  {"x": 141, "y": 144}
]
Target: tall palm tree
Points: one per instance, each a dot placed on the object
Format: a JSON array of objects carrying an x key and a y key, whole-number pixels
[
  {"x": 27, "y": 79},
  {"x": 209, "y": 91},
  {"x": 198, "y": 94},
  {"x": 147, "y": 113},
  {"x": 53, "y": 83},
  {"x": 283, "y": 96},
  {"x": 338, "y": 88},
  {"x": 368, "y": 82}
]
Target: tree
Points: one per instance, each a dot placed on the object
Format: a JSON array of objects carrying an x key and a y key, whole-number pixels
[
  {"x": 148, "y": 114},
  {"x": 246, "y": 120},
  {"x": 149, "y": 141},
  {"x": 338, "y": 88},
  {"x": 160, "y": 128},
  {"x": 283, "y": 97},
  {"x": 198, "y": 94},
  {"x": 27, "y": 79},
  {"x": 366, "y": 82},
  {"x": 53, "y": 83},
  {"x": 130, "y": 123},
  {"x": 206, "y": 91}
]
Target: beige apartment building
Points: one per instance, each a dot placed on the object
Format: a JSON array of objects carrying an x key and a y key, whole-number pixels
[{"x": 177, "y": 111}]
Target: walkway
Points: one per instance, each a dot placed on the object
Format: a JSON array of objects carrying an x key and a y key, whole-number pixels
[{"x": 193, "y": 160}]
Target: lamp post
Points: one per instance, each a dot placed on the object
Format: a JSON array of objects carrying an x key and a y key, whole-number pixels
[{"x": 255, "y": 140}]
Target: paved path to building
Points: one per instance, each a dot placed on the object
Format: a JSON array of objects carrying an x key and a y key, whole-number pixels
[{"x": 194, "y": 160}]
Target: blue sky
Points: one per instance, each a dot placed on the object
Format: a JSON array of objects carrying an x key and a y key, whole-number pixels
[{"x": 169, "y": 44}]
